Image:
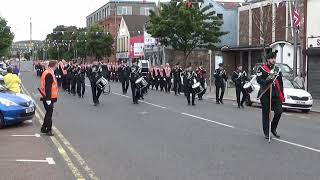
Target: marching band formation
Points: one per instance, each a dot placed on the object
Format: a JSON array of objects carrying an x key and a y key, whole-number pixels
[{"x": 70, "y": 76}]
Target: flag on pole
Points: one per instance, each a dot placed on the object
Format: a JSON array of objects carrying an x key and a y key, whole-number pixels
[{"x": 296, "y": 18}]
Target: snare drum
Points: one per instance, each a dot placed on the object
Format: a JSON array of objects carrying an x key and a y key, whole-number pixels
[
  {"x": 248, "y": 87},
  {"x": 101, "y": 83},
  {"x": 141, "y": 83},
  {"x": 196, "y": 88}
]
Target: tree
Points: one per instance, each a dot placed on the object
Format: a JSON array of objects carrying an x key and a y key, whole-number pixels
[
  {"x": 99, "y": 43},
  {"x": 6, "y": 37},
  {"x": 185, "y": 26}
]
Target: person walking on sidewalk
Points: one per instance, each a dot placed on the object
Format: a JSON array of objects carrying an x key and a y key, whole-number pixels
[
  {"x": 220, "y": 82},
  {"x": 239, "y": 77},
  {"x": 49, "y": 92}
]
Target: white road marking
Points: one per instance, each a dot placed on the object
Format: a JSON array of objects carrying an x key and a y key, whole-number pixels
[
  {"x": 287, "y": 114},
  {"x": 18, "y": 135},
  {"x": 28, "y": 121},
  {"x": 154, "y": 105},
  {"x": 48, "y": 160},
  {"x": 141, "y": 101},
  {"x": 87, "y": 85},
  {"x": 298, "y": 145},
  {"x": 208, "y": 120},
  {"x": 303, "y": 117}
]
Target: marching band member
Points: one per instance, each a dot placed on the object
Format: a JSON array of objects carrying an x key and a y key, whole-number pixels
[
  {"x": 220, "y": 82},
  {"x": 188, "y": 81},
  {"x": 239, "y": 77},
  {"x": 201, "y": 77},
  {"x": 157, "y": 77},
  {"x": 69, "y": 77},
  {"x": 94, "y": 75},
  {"x": 167, "y": 71},
  {"x": 134, "y": 75},
  {"x": 125, "y": 76},
  {"x": 73, "y": 79},
  {"x": 176, "y": 79},
  {"x": 64, "y": 74},
  {"x": 81, "y": 74},
  {"x": 162, "y": 79},
  {"x": 269, "y": 76}
]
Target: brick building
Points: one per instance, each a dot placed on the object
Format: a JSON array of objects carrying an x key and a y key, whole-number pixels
[
  {"x": 265, "y": 25},
  {"x": 109, "y": 16}
]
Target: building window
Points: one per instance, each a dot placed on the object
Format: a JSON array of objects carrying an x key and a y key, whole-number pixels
[
  {"x": 145, "y": 11},
  {"x": 124, "y": 10},
  {"x": 220, "y": 16}
]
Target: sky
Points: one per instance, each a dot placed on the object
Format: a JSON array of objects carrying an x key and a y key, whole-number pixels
[{"x": 46, "y": 15}]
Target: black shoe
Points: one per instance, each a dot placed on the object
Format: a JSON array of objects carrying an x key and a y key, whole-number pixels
[
  {"x": 98, "y": 102},
  {"x": 275, "y": 134},
  {"x": 49, "y": 133},
  {"x": 142, "y": 98},
  {"x": 43, "y": 131},
  {"x": 239, "y": 106},
  {"x": 189, "y": 103},
  {"x": 266, "y": 136},
  {"x": 221, "y": 101},
  {"x": 217, "y": 102},
  {"x": 82, "y": 96},
  {"x": 242, "y": 106},
  {"x": 193, "y": 104}
]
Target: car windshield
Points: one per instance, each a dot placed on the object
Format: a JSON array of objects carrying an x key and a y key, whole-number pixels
[
  {"x": 285, "y": 68},
  {"x": 286, "y": 83}
]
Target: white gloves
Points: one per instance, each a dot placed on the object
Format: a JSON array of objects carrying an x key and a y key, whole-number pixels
[{"x": 48, "y": 102}]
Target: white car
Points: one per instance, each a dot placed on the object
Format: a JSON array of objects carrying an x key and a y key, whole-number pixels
[{"x": 295, "y": 98}]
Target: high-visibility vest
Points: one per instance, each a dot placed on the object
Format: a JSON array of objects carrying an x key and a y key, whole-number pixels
[{"x": 54, "y": 87}]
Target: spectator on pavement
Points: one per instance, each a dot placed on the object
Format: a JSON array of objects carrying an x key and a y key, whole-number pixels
[
  {"x": 300, "y": 80},
  {"x": 12, "y": 81}
]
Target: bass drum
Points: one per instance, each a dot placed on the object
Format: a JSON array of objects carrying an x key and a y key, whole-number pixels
[
  {"x": 141, "y": 83},
  {"x": 248, "y": 87},
  {"x": 196, "y": 88}
]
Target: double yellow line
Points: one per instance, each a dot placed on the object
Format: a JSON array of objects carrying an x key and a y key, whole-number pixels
[{"x": 75, "y": 171}]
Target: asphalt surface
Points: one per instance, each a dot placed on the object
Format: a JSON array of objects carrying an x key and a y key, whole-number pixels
[{"x": 162, "y": 138}]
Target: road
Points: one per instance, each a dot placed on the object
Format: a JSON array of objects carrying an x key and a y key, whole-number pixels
[{"x": 162, "y": 138}]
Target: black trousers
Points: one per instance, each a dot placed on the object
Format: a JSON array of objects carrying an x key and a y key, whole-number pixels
[
  {"x": 135, "y": 92},
  {"x": 162, "y": 83},
  {"x": 240, "y": 90},
  {"x": 168, "y": 84},
  {"x": 59, "y": 81},
  {"x": 81, "y": 88},
  {"x": 125, "y": 85},
  {"x": 276, "y": 106},
  {"x": 176, "y": 85},
  {"x": 200, "y": 95},
  {"x": 68, "y": 84},
  {"x": 73, "y": 85},
  {"x": 219, "y": 97},
  {"x": 64, "y": 82},
  {"x": 96, "y": 92},
  {"x": 193, "y": 96},
  {"x": 47, "y": 122},
  {"x": 157, "y": 83}
]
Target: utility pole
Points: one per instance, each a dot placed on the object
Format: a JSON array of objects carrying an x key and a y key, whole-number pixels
[
  {"x": 295, "y": 54},
  {"x": 30, "y": 44}
]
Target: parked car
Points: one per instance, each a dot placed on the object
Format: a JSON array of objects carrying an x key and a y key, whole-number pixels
[
  {"x": 14, "y": 107},
  {"x": 286, "y": 70},
  {"x": 295, "y": 97}
]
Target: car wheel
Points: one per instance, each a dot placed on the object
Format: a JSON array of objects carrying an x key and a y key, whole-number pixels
[
  {"x": 305, "y": 110},
  {"x": 1, "y": 121}
]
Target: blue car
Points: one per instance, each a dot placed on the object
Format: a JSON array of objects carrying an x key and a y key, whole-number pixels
[{"x": 14, "y": 107}]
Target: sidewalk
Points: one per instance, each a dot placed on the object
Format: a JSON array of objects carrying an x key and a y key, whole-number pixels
[{"x": 230, "y": 94}]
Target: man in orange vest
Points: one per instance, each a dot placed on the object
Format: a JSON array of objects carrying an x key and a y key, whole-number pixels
[{"x": 49, "y": 92}]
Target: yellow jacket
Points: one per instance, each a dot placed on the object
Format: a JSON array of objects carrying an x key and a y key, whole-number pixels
[{"x": 12, "y": 82}]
